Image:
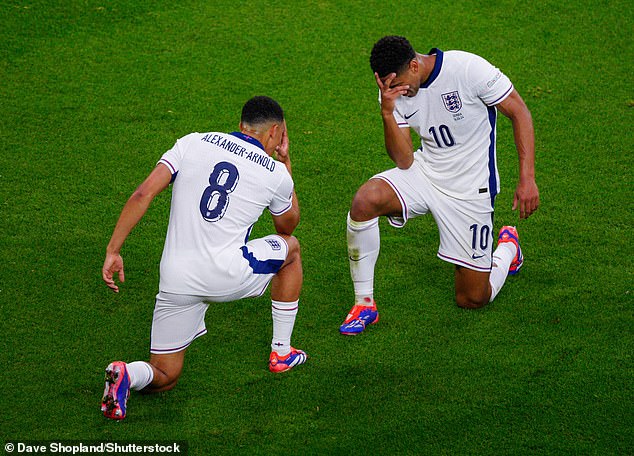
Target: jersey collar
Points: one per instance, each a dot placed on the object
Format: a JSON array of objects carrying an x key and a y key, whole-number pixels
[
  {"x": 437, "y": 66},
  {"x": 247, "y": 138}
]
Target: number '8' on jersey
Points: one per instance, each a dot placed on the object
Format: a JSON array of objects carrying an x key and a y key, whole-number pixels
[{"x": 215, "y": 199}]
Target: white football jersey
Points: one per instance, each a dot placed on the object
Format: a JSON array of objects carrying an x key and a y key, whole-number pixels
[
  {"x": 221, "y": 185},
  {"x": 454, "y": 114}
]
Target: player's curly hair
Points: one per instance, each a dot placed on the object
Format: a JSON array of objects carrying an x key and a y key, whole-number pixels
[
  {"x": 391, "y": 54},
  {"x": 261, "y": 109}
]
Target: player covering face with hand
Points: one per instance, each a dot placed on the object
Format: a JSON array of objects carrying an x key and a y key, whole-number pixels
[
  {"x": 222, "y": 182},
  {"x": 450, "y": 99}
]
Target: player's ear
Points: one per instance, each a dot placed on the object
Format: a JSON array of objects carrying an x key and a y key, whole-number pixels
[
  {"x": 413, "y": 65},
  {"x": 273, "y": 130}
]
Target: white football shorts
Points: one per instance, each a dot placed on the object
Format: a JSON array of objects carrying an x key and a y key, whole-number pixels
[
  {"x": 179, "y": 319},
  {"x": 465, "y": 226}
]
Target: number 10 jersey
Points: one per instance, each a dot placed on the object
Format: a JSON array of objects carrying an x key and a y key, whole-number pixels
[{"x": 454, "y": 114}]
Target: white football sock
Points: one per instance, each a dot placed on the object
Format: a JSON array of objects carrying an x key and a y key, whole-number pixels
[
  {"x": 283, "y": 321},
  {"x": 502, "y": 258},
  {"x": 141, "y": 374},
  {"x": 364, "y": 242}
]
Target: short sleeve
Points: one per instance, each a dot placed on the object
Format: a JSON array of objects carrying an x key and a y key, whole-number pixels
[
  {"x": 282, "y": 199},
  {"x": 491, "y": 85},
  {"x": 173, "y": 157}
]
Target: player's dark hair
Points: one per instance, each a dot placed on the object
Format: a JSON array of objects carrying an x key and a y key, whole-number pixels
[
  {"x": 391, "y": 54},
  {"x": 261, "y": 109}
]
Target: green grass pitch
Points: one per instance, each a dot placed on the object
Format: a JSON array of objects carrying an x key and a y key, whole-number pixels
[{"x": 93, "y": 92}]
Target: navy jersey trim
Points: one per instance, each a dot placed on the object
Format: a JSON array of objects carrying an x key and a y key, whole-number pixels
[
  {"x": 437, "y": 67},
  {"x": 493, "y": 184},
  {"x": 247, "y": 138},
  {"x": 246, "y": 238}
]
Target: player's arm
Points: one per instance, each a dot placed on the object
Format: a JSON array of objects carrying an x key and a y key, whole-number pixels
[
  {"x": 288, "y": 221},
  {"x": 132, "y": 212},
  {"x": 398, "y": 141},
  {"x": 526, "y": 194}
]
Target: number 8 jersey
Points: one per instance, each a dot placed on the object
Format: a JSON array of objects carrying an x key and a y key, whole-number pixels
[
  {"x": 454, "y": 114},
  {"x": 221, "y": 185}
]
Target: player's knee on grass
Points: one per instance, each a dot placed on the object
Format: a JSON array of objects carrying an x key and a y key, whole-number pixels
[
  {"x": 472, "y": 299},
  {"x": 167, "y": 371},
  {"x": 473, "y": 289}
]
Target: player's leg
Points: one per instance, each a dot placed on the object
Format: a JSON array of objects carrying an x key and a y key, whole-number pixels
[
  {"x": 465, "y": 229},
  {"x": 374, "y": 199},
  {"x": 276, "y": 259},
  {"x": 166, "y": 369},
  {"x": 160, "y": 374},
  {"x": 507, "y": 259},
  {"x": 286, "y": 286},
  {"x": 177, "y": 321},
  {"x": 474, "y": 289}
]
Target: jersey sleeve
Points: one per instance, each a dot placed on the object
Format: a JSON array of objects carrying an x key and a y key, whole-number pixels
[
  {"x": 282, "y": 199},
  {"x": 491, "y": 85},
  {"x": 173, "y": 157}
]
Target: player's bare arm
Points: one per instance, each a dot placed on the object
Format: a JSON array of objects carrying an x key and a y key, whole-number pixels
[
  {"x": 526, "y": 196},
  {"x": 398, "y": 141},
  {"x": 132, "y": 212},
  {"x": 287, "y": 222}
]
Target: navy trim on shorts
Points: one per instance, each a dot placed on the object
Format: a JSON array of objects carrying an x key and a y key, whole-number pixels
[
  {"x": 261, "y": 267},
  {"x": 463, "y": 263},
  {"x": 158, "y": 351}
]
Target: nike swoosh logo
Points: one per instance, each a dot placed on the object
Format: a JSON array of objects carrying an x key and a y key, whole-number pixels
[
  {"x": 475, "y": 257},
  {"x": 407, "y": 117},
  {"x": 357, "y": 259}
]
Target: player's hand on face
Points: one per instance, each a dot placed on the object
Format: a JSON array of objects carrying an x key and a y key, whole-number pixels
[
  {"x": 389, "y": 94},
  {"x": 112, "y": 264},
  {"x": 282, "y": 149},
  {"x": 526, "y": 198}
]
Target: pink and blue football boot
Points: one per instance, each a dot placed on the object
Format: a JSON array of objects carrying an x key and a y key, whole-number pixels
[
  {"x": 116, "y": 392},
  {"x": 509, "y": 234},
  {"x": 359, "y": 318}
]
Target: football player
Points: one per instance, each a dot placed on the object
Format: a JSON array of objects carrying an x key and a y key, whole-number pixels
[
  {"x": 221, "y": 184},
  {"x": 450, "y": 99}
]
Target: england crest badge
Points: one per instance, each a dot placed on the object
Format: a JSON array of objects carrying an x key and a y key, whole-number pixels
[{"x": 452, "y": 101}]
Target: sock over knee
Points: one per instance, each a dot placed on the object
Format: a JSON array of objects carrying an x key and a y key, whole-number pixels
[{"x": 364, "y": 242}]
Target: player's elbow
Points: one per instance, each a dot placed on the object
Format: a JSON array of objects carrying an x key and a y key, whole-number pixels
[
  {"x": 287, "y": 224},
  {"x": 403, "y": 160},
  {"x": 404, "y": 164}
]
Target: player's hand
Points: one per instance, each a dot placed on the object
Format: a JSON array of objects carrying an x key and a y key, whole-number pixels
[
  {"x": 282, "y": 149},
  {"x": 112, "y": 264},
  {"x": 389, "y": 94},
  {"x": 526, "y": 198}
]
